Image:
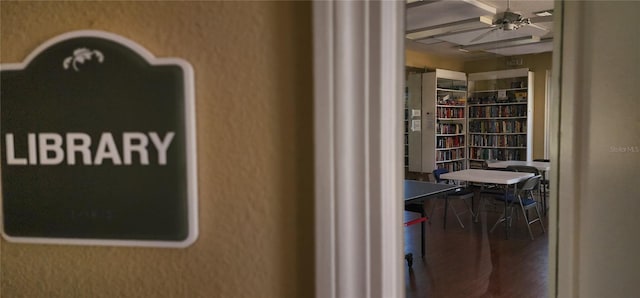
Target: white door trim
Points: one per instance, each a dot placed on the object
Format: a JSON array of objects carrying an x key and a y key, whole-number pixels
[
  {"x": 565, "y": 151},
  {"x": 548, "y": 93},
  {"x": 358, "y": 62}
]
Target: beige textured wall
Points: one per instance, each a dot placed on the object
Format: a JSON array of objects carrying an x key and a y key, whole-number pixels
[
  {"x": 538, "y": 64},
  {"x": 422, "y": 60},
  {"x": 252, "y": 63}
]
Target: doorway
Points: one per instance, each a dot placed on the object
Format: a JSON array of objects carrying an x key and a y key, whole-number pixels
[
  {"x": 484, "y": 43},
  {"x": 341, "y": 256}
]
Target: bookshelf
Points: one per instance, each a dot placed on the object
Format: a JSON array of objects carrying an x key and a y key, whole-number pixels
[
  {"x": 500, "y": 116},
  {"x": 405, "y": 138},
  {"x": 437, "y": 131},
  {"x": 413, "y": 123}
]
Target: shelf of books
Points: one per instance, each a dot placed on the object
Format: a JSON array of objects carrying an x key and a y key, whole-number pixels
[
  {"x": 406, "y": 128},
  {"x": 413, "y": 124},
  {"x": 500, "y": 116},
  {"x": 444, "y": 99}
]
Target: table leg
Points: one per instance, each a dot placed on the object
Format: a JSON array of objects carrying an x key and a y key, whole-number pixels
[
  {"x": 506, "y": 218},
  {"x": 480, "y": 201},
  {"x": 544, "y": 194},
  {"x": 422, "y": 238},
  {"x": 506, "y": 207},
  {"x": 446, "y": 208}
]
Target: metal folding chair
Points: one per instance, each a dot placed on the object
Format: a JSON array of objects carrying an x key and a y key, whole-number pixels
[
  {"x": 525, "y": 200},
  {"x": 464, "y": 196}
]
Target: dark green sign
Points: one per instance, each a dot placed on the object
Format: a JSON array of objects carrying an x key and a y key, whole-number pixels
[{"x": 98, "y": 145}]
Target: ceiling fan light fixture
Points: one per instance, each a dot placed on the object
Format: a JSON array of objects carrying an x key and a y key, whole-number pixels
[{"x": 509, "y": 26}]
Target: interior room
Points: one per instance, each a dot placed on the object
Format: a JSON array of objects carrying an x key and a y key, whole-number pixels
[{"x": 476, "y": 97}]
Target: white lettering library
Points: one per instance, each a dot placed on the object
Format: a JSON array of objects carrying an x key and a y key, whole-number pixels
[{"x": 55, "y": 149}]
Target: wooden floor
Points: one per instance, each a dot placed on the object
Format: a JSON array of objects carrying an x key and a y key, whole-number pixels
[{"x": 472, "y": 262}]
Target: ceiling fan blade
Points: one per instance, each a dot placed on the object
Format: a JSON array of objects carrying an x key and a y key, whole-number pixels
[
  {"x": 537, "y": 27},
  {"x": 483, "y": 35},
  {"x": 543, "y": 19},
  {"x": 417, "y": 3}
]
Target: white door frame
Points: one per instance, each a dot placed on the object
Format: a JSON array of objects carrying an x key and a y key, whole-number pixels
[
  {"x": 358, "y": 65},
  {"x": 548, "y": 93}
]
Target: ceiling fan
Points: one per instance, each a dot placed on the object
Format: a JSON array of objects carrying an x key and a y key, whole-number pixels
[{"x": 508, "y": 21}]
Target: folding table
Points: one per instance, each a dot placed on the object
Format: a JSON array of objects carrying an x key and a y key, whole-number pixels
[{"x": 491, "y": 177}]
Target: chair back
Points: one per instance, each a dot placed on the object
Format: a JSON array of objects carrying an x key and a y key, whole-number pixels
[
  {"x": 507, "y": 169},
  {"x": 524, "y": 169},
  {"x": 530, "y": 184},
  {"x": 438, "y": 172}
]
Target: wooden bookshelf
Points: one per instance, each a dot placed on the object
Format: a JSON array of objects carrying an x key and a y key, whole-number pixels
[{"x": 500, "y": 116}]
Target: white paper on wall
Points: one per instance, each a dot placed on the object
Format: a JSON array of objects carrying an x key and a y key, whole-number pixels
[{"x": 415, "y": 125}]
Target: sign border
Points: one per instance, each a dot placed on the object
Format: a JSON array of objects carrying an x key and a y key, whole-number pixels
[{"x": 190, "y": 126}]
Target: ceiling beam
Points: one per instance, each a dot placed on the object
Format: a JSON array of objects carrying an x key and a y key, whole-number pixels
[
  {"x": 501, "y": 43},
  {"x": 448, "y": 28}
]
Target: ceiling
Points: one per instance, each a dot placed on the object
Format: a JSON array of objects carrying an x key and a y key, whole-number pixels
[{"x": 463, "y": 28}]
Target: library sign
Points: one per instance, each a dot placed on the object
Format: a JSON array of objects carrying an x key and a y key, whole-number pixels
[{"x": 98, "y": 145}]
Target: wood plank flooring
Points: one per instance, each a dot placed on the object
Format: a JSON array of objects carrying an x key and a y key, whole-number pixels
[{"x": 472, "y": 262}]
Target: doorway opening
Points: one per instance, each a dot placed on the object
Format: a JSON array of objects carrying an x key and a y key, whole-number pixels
[{"x": 477, "y": 92}]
